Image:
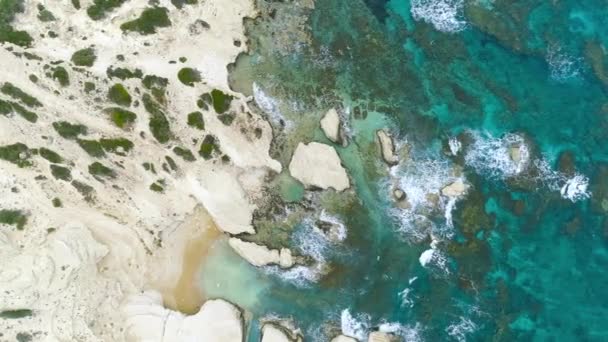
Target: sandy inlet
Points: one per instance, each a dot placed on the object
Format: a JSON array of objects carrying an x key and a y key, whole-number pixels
[{"x": 179, "y": 262}]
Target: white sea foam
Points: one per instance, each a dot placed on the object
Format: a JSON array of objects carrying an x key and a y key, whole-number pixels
[
  {"x": 459, "y": 330},
  {"x": 421, "y": 180},
  {"x": 405, "y": 297},
  {"x": 455, "y": 145},
  {"x": 444, "y": 15},
  {"x": 339, "y": 232},
  {"x": 562, "y": 66},
  {"x": 494, "y": 157},
  {"x": 435, "y": 260},
  {"x": 573, "y": 188},
  {"x": 407, "y": 333},
  {"x": 269, "y": 105},
  {"x": 356, "y": 327}
]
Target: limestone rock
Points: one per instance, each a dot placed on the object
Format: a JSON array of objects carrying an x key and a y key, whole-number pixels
[
  {"x": 343, "y": 338},
  {"x": 258, "y": 255},
  {"x": 318, "y": 165},
  {"x": 457, "y": 188},
  {"x": 377, "y": 336},
  {"x": 148, "y": 320},
  {"x": 387, "y": 147},
  {"x": 399, "y": 195},
  {"x": 515, "y": 154},
  {"x": 330, "y": 124},
  {"x": 270, "y": 333}
]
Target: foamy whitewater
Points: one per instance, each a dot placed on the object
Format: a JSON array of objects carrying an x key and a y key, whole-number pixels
[
  {"x": 562, "y": 66},
  {"x": 270, "y": 106},
  {"x": 444, "y": 15},
  {"x": 493, "y": 157}
]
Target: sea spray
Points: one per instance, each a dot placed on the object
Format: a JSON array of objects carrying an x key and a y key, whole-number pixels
[
  {"x": 460, "y": 329},
  {"x": 444, "y": 15},
  {"x": 497, "y": 158},
  {"x": 270, "y": 106},
  {"x": 356, "y": 327},
  {"x": 562, "y": 66}
]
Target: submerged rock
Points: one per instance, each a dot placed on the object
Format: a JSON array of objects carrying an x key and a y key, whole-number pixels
[
  {"x": 387, "y": 147},
  {"x": 330, "y": 124},
  {"x": 456, "y": 189},
  {"x": 258, "y": 255},
  {"x": 343, "y": 338},
  {"x": 318, "y": 165}
]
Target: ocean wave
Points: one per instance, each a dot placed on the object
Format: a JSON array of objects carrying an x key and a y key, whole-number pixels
[
  {"x": 355, "y": 326},
  {"x": 454, "y": 145},
  {"x": 444, "y": 15},
  {"x": 270, "y": 106},
  {"x": 406, "y": 332},
  {"x": 460, "y": 329},
  {"x": 571, "y": 187},
  {"x": 338, "y": 231},
  {"x": 498, "y": 158},
  {"x": 562, "y": 66},
  {"x": 435, "y": 260}
]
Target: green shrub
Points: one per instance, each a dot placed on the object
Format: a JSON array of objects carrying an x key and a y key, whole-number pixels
[
  {"x": 76, "y": 4},
  {"x": 92, "y": 147},
  {"x": 68, "y": 130},
  {"x": 180, "y": 3},
  {"x": 60, "y": 172},
  {"x": 15, "y": 314},
  {"x": 158, "y": 124},
  {"x": 18, "y": 94},
  {"x": 57, "y": 203},
  {"x": 119, "y": 95},
  {"x": 13, "y": 217},
  {"x": 121, "y": 117},
  {"x": 221, "y": 101},
  {"x": 207, "y": 147},
  {"x": 100, "y": 8},
  {"x": 171, "y": 163},
  {"x": 149, "y": 20},
  {"x": 97, "y": 169},
  {"x": 18, "y": 154},
  {"x": 149, "y": 167},
  {"x": 84, "y": 57},
  {"x": 45, "y": 15},
  {"x": 227, "y": 119},
  {"x": 60, "y": 74},
  {"x": 156, "y": 187},
  {"x": 154, "y": 81},
  {"x": 204, "y": 101},
  {"x": 120, "y": 146},
  {"x": 124, "y": 73},
  {"x": 49, "y": 155},
  {"x": 5, "y": 108},
  {"x": 8, "y": 9},
  {"x": 195, "y": 119},
  {"x": 189, "y": 76},
  {"x": 89, "y": 87},
  {"x": 23, "y": 112},
  {"x": 185, "y": 153},
  {"x": 84, "y": 189}
]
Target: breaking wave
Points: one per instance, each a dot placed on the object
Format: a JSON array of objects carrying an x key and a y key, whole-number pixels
[
  {"x": 460, "y": 329},
  {"x": 562, "y": 66},
  {"x": 498, "y": 158},
  {"x": 269, "y": 105},
  {"x": 444, "y": 15}
]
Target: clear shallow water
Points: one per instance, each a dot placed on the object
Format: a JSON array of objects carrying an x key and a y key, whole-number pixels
[{"x": 519, "y": 261}]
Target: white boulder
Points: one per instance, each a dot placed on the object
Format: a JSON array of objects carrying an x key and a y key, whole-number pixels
[
  {"x": 259, "y": 255},
  {"x": 270, "y": 333},
  {"x": 330, "y": 124},
  {"x": 318, "y": 165},
  {"x": 342, "y": 338},
  {"x": 456, "y": 189},
  {"x": 387, "y": 147}
]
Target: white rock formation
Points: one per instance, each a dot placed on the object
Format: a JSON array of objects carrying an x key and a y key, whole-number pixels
[
  {"x": 258, "y": 255},
  {"x": 148, "y": 320},
  {"x": 455, "y": 189},
  {"x": 318, "y": 165},
  {"x": 330, "y": 124},
  {"x": 387, "y": 147},
  {"x": 342, "y": 338},
  {"x": 270, "y": 333},
  {"x": 378, "y": 336}
]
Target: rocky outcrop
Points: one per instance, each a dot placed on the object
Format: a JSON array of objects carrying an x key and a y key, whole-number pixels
[
  {"x": 343, "y": 338},
  {"x": 258, "y": 255},
  {"x": 456, "y": 189},
  {"x": 330, "y": 124},
  {"x": 270, "y": 333},
  {"x": 387, "y": 147},
  {"x": 318, "y": 165},
  {"x": 377, "y": 336},
  {"x": 148, "y": 320}
]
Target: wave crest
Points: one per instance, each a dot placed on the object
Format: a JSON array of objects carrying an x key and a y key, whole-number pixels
[{"x": 444, "y": 15}]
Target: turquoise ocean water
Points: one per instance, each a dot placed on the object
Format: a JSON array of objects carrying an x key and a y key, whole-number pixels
[{"x": 524, "y": 256}]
